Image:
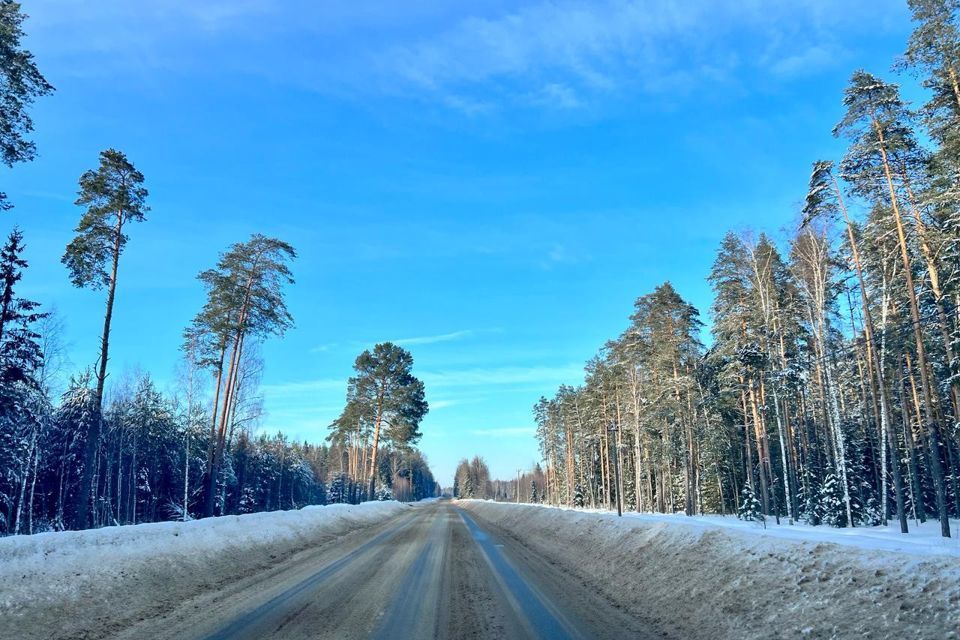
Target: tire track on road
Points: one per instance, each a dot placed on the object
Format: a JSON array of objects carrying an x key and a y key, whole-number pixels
[
  {"x": 275, "y": 610},
  {"x": 544, "y": 619},
  {"x": 414, "y": 611}
]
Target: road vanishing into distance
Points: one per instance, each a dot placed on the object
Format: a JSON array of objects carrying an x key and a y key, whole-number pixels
[{"x": 435, "y": 571}]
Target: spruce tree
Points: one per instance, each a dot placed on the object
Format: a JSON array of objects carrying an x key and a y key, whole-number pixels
[
  {"x": 20, "y": 352},
  {"x": 831, "y": 507},
  {"x": 750, "y": 508},
  {"x": 578, "y": 497}
]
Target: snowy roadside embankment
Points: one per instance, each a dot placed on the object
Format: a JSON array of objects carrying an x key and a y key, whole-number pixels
[
  {"x": 109, "y": 573},
  {"x": 697, "y": 579}
]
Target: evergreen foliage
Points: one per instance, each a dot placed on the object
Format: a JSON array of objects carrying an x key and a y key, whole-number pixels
[
  {"x": 750, "y": 508},
  {"x": 21, "y": 83}
]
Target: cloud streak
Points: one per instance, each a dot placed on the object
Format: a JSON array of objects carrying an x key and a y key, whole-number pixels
[
  {"x": 547, "y": 55},
  {"x": 503, "y": 432},
  {"x": 498, "y": 376},
  {"x": 560, "y": 54},
  {"x": 302, "y": 387},
  {"x": 443, "y": 337}
]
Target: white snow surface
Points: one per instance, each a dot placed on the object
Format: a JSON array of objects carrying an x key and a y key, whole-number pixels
[
  {"x": 72, "y": 567},
  {"x": 924, "y": 537},
  {"x": 718, "y": 577}
]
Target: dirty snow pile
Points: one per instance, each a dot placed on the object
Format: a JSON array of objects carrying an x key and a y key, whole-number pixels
[
  {"x": 97, "y": 569},
  {"x": 723, "y": 578}
]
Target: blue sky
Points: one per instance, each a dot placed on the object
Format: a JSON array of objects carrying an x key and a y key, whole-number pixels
[{"x": 490, "y": 184}]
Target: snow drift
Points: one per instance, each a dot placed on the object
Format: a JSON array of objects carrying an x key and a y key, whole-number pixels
[
  {"x": 693, "y": 579},
  {"x": 115, "y": 573}
]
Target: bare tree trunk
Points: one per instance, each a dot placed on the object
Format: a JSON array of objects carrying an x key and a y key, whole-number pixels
[
  {"x": 84, "y": 495},
  {"x": 932, "y": 427}
]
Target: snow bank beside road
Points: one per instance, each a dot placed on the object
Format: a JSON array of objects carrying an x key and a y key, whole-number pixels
[
  {"x": 691, "y": 579},
  {"x": 50, "y": 575}
]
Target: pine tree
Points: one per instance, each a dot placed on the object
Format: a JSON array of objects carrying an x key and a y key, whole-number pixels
[
  {"x": 933, "y": 52},
  {"x": 21, "y": 83},
  {"x": 883, "y": 147},
  {"x": 385, "y": 395},
  {"x": 114, "y": 196},
  {"x": 245, "y": 300}
]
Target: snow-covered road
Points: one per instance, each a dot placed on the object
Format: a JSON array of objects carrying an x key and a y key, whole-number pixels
[
  {"x": 473, "y": 569},
  {"x": 423, "y": 571}
]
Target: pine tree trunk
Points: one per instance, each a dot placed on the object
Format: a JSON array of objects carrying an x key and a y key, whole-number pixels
[
  {"x": 932, "y": 427},
  {"x": 376, "y": 438},
  {"x": 84, "y": 497},
  {"x": 877, "y": 379}
]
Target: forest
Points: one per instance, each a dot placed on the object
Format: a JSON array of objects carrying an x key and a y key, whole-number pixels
[
  {"x": 121, "y": 451},
  {"x": 826, "y": 390}
]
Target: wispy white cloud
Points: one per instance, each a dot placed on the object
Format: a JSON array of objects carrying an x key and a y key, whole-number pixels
[
  {"x": 575, "y": 50},
  {"x": 443, "y": 337},
  {"x": 503, "y": 432},
  {"x": 556, "y": 95},
  {"x": 808, "y": 61},
  {"x": 301, "y": 387},
  {"x": 471, "y": 57},
  {"x": 472, "y": 377}
]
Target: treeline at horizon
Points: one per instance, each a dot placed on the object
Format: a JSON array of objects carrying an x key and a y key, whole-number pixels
[
  {"x": 831, "y": 391},
  {"x": 125, "y": 453}
]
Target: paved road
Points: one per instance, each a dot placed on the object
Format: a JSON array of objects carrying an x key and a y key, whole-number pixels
[{"x": 434, "y": 572}]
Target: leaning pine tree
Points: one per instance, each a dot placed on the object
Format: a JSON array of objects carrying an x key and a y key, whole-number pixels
[
  {"x": 245, "y": 300},
  {"x": 113, "y": 196}
]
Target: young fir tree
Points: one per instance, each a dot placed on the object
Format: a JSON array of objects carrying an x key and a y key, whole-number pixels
[
  {"x": 578, "y": 497},
  {"x": 21, "y": 83},
  {"x": 750, "y": 509},
  {"x": 831, "y": 506},
  {"x": 338, "y": 491}
]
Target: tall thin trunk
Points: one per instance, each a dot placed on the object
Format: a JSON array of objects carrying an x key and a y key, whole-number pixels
[
  {"x": 875, "y": 360},
  {"x": 84, "y": 495},
  {"x": 376, "y": 438},
  {"x": 932, "y": 427}
]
